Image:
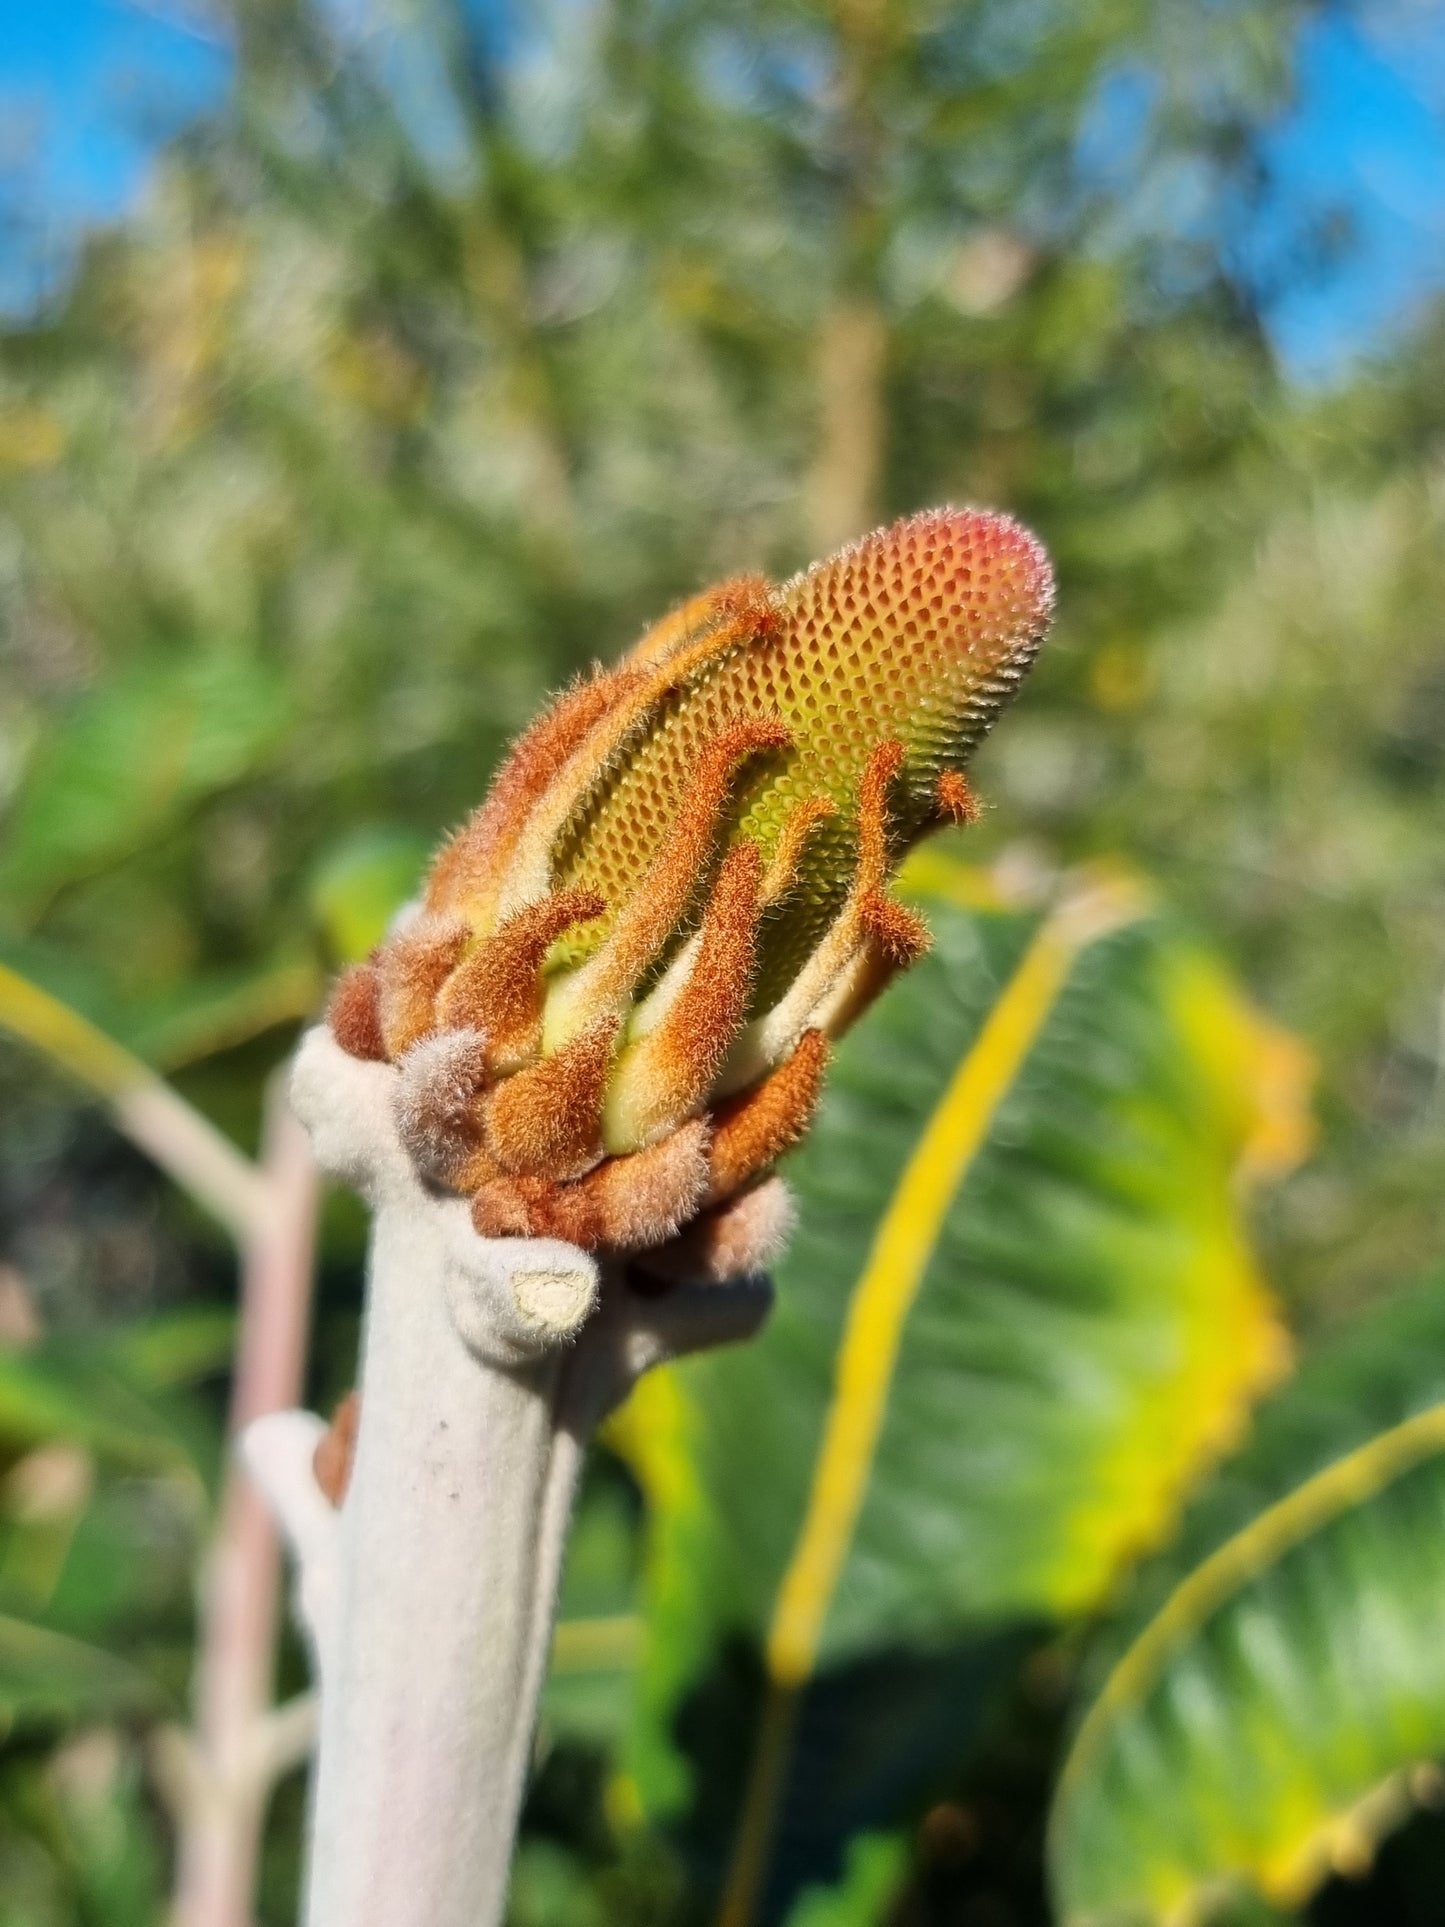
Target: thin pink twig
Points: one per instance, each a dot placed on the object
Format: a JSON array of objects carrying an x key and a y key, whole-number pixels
[{"x": 221, "y": 1828}]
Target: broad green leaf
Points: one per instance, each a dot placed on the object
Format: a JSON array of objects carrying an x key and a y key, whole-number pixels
[
  {"x": 1278, "y": 1691},
  {"x": 49, "y": 1680},
  {"x": 1019, "y": 1319}
]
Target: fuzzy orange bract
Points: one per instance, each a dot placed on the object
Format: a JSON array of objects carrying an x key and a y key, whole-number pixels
[
  {"x": 611, "y": 1012},
  {"x": 498, "y": 989}
]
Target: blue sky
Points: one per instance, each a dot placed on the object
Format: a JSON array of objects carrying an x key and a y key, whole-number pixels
[
  {"x": 1369, "y": 135},
  {"x": 88, "y": 88}
]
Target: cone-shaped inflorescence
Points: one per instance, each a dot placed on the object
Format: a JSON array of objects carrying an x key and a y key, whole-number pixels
[{"x": 611, "y": 1011}]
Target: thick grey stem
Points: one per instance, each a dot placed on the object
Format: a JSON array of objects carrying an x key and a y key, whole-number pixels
[
  {"x": 486, "y": 1364},
  {"x": 450, "y": 1548}
]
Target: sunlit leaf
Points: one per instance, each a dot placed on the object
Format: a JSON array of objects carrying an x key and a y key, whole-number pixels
[
  {"x": 1277, "y": 1696},
  {"x": 1019, "y": 1320}
]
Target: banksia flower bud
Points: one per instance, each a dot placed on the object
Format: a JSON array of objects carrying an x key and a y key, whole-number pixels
[{"x": 611, "y": 1011}]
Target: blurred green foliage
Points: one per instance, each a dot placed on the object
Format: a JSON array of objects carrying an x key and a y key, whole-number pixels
[{"x": 451, "y": 350}]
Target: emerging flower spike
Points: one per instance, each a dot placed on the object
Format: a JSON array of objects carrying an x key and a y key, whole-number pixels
[{"x": 612, "y": 1008}]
